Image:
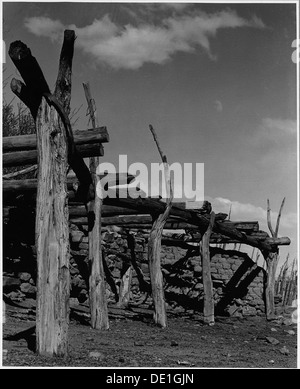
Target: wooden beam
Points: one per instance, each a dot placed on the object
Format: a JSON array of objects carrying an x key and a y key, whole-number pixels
[
  {"x": 28, "y": 142},
  {"x": 28, "y": 157},
  {"x": 19, "y": 186}
]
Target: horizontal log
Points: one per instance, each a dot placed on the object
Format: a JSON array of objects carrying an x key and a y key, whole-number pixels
[
  {"x": 242, "y": 225},
  {"x": 28, "y": 142},
  {"x": 31, "y": 184},
  {"x": 79, "y": 210},
  {"x": 27, "y": 170},
  {"x": 188, "y": 217},
  {"x": 28, "y": 157}
]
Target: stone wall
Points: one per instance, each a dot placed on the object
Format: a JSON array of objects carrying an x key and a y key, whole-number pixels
[{"x": 237, "y": 280}]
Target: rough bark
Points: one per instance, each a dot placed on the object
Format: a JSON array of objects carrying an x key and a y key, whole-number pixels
[
  {"x": 52, "y": 235},
  {"x": 271, "y": 257},
  {"x": 154, "y": 247},
  {"x": 208, "y": 307},
  {"x": 97, "y": 290}
]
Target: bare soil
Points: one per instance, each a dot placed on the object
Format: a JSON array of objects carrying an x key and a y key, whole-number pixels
[{"x": 134, "y": 341}]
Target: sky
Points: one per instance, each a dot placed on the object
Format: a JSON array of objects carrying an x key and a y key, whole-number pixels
[{"x": 216, "y": 81}]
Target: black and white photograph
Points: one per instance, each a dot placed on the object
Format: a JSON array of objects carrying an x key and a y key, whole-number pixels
[{"x": 150, "y": 187}]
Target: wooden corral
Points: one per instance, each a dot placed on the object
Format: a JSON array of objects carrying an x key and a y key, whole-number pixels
[{"x": 59, "y": 200}]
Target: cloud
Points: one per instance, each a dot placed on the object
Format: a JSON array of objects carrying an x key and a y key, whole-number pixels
[
  {"x": 275, "y": 141},
  {"x": 244, "y": 212},
  {"x": 131, "y": 46},
  {"x": 44, "y": 26},
  {"x": 276, "y": 130}
]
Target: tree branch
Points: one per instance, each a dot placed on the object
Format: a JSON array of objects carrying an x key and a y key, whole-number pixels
[
  {"x": 278, "y": 218},
  {"x": 269, "y": 219}
]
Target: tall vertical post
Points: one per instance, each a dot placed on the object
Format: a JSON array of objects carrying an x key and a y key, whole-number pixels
[
  {"x": 271, "y": 257},
  {"x": 97, "y": 290},
  {"x": 52, "y": 235},
  {"x": 154, "y": 246},
  {"x": 208, "y": 307}
]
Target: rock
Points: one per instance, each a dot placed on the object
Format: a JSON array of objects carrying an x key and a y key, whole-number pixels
[
  {"x": 290, "y": 332},
  {"x": 272, "y": 340},
  {"x": 239, "y": 302},
  {"x": 174, "y": 343},
  {"x": 73, "y": 301},
  {"x": 16, "y": 295},
  {"x": 76, "y": 236},
  {"x": 185, "y": 363},
  {"x": 139, "y": 343},
  {"x": 287, "y": 322},
  {"x": 284, "y": 350},
  {"x": 273, "y": 329},
  {"x": 97, "y": 355},
  {"x": 249, "y": 311},
  {"x": 10, "y": 283},
  {"x": 25, "y": 277},
  {"x": 28, "y": 289},
  {"x": 133, "y": 363},
  {"x": 84, "y": 246},
  {"x": 233, "y": 310}
]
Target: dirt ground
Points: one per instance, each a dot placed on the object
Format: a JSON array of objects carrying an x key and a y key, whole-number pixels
[{"x": 134, "y": 341}]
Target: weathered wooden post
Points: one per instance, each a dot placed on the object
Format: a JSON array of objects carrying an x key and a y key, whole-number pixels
[
  {"x": 271, "y": 257},
  {"x": 154, "y": 246},
  {"x": 208, "y": 306},
  {"x": 55, "y": 152},
  {"x": 97, "y": 289},
  {"x": 52, "y": 236}
]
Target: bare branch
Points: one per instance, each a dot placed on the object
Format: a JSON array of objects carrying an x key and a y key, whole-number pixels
[
  {"x": 166, "y": 167},
  {"x": 269, "y": 219},
  {"x": 8, "y": 176},
  {"x": 278, "y": 217}
]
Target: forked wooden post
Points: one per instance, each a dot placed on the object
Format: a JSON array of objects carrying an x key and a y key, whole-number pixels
[
  {"x": 154, "y": 247},
  {"x": 208, "y": 307},
  {"x": 97, "y": 289},
  {"x": 55, "y": 152},
  {"x": 271, "y": 257}
]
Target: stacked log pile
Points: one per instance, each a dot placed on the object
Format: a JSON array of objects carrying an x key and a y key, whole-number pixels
[{"x": 21, "y": 150}]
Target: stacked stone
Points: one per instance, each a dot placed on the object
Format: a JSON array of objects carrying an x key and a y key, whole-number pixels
[
  {"x": 19, "y": 286},
  {"x": 183, "y": 283}
]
